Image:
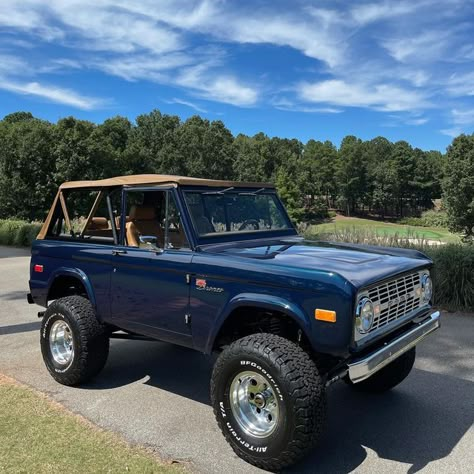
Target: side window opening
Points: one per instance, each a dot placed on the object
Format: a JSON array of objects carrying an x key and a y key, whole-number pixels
[
  {"x": 153, "y": 221},
  {"x": 85, "y": 215}
]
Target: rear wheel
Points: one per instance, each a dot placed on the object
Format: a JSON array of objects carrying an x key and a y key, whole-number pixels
[
  {"x": 388, "y": 377},
  {"x": 268, "y": 399},
  {"x": 74, "y": 344}
]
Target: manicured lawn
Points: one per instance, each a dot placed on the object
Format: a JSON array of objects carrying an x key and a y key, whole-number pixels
[
  {"x": 39, "y": 436},
  {"x": 383, "y": 228}
]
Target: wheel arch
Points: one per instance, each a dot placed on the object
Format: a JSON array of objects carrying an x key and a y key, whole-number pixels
[
  {"x": 60, "y": 279},
  {"x": 266, "y": 303}
]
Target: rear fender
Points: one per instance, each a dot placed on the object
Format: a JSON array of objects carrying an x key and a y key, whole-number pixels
[{"x": 75, "y": 273}]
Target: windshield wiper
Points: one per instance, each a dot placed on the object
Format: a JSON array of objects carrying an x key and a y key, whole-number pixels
[
  {"x": 218, "y": 192},
  {"x": 252, "y": 193}
]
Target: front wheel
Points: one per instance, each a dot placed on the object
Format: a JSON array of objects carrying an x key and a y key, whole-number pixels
[{"x": 269, "y": 400}]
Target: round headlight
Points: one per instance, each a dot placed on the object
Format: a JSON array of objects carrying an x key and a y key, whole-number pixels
[
  {"x": 364, "y": 315},
  {"x": 426, "y": 288}
]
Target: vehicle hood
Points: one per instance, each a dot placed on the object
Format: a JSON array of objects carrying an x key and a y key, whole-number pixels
[{"x": 362, "y": 265}]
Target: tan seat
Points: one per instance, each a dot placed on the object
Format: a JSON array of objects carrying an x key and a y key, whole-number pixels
[
  {"x": 143, "y": 222},
  {"x": 98, "y": 223}
]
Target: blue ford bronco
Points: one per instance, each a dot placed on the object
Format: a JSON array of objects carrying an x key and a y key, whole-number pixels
[{"x": 218, "y": 266}]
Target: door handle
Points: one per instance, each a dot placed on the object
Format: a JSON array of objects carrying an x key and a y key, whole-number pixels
[{"x": 119, "y": 252}]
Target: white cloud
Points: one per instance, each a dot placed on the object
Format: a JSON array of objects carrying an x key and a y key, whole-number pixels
[
  {"x": 383, "y": 97},
  {"x": 417, "y": 121},
  {"x": 187, "y": 103},
  {"x": 462, "y": 120},
  {"x": 451, "y": 132},
  {"x": 103, "y": 27},
  {"x": 143, "y": 66},
  {"x": 225, "y": 89},
  {"x": 289, "y": 106},
  {"x": 254, "y": 24},
  {"x": 52, "y": 93},
  {"x": 373, "y": 12},
  {"x": 310, "y": 110},
  {"x": 25, "y": 15},
  {"x": 463, "y": 117},
  {"x": 427, "y": 46},
  {"x": 13, "y": 65},
  {"x": 417, "y": 77},
  {"x": 461, "y": 84}
]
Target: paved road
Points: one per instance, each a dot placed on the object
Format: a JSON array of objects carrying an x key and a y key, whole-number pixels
[{"x": 156, "y": 394}]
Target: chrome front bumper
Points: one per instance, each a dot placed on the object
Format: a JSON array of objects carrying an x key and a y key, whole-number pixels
[{"x": 363, "y": 368}]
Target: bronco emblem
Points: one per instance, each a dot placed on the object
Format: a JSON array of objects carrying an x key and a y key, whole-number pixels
[
  {"x": 201, "y": 285},
  {"x": 400, "y": 300}
]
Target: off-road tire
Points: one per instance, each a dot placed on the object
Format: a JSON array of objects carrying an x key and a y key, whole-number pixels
[
  {"x": 90, "y": 340},
  {"x": 294, "y": 377},
  {"x": 388, "y": 377}
]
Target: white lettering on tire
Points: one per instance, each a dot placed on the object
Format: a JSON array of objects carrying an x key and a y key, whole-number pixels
[
  {"x": 245, "y": 444},
  {"x": 46, "y": 324}
]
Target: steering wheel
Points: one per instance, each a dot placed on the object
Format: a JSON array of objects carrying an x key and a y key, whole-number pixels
[{"x": 250, "y": 222}]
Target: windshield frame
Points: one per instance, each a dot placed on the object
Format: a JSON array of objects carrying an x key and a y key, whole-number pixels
[{"x": 229, "y": 236}]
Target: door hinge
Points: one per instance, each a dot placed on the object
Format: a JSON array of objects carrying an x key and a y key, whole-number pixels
[{"x": 187, "y": 319}]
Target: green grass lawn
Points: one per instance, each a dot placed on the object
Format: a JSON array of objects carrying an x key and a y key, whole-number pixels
[
  {"x": 383, "y": 228},
  {"x": 39, "y": 436}
]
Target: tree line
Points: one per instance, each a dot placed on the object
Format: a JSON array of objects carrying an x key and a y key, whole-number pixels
[{"x": 376, "y": 176}]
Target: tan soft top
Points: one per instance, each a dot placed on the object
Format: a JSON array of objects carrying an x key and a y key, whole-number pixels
[{"x": 149, "y": 179}]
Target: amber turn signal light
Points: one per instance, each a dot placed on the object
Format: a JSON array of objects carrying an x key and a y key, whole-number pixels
[{"x": 325, "y": 315}]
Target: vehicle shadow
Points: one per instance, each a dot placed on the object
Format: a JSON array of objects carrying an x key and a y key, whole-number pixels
[
  {"x": 14, "y": 295},
  {"x": 417, "y": 423},
  {"x": 168, "y": 367},
  {"x": 19, "y": 328}
]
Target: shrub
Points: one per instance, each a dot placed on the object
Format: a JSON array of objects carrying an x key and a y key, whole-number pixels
[
  {"x": 453, "y": 271},
  {"x": 428, "y": 219},
  {"x": 18, "y": 233},
  {"x": 435, "y": 219},
  {"x": 453, "y": 275}
]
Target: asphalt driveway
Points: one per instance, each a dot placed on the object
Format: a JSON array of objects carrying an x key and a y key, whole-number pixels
[{"x": 157, "y": 395}]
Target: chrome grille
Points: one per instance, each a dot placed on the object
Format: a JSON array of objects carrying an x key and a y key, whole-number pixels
[{"x": 395, "y": 299}]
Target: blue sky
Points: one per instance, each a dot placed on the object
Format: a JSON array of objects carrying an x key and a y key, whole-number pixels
[{"x": 306, "y": 69}]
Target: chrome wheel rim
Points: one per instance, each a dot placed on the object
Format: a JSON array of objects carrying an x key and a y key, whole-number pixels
[
  {"x": 61, "y": 342},
  {"x": 254, "y": 404}
]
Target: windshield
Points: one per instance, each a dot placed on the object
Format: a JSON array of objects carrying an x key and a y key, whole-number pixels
[{"x": 225, "y": 211}]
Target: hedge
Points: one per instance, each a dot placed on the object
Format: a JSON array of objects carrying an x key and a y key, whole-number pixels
[{"x": 18, "y": 233}]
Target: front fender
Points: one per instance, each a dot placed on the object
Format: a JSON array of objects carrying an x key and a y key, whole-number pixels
[{"x": 269, "y": 302}]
